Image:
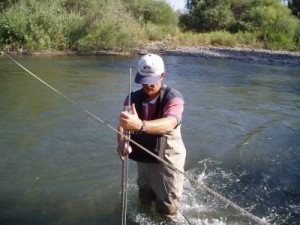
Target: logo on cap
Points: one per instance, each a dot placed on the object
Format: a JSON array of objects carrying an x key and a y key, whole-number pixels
[{"x": 146, "y": 69}]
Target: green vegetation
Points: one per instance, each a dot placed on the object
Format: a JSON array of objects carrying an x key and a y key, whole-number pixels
[
  {"x": 294, "y": 5},
  {"x": 269, "y": 22},
  {"x": 121, "y": 25}
]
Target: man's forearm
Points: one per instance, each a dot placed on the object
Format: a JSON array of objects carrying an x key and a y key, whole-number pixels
[
  {"x": 160, "y": 126},
  {"x": 119, "y": 136}
]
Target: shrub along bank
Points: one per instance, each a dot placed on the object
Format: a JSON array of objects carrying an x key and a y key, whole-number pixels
[{"x": 123, "y": 25}]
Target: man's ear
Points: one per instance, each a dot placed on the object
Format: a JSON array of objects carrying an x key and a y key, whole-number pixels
[{"x": 162, "y": 76}]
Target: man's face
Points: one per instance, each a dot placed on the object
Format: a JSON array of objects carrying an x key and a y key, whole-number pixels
[{"x": 152, "y": 90}]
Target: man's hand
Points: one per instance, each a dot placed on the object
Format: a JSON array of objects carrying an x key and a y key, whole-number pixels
[
  {"x": 130, "y": 121},
  {"x": 123, "y": 149}
]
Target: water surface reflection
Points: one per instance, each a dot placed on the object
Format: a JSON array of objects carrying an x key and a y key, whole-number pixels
[{"x": 58, "y": 165}]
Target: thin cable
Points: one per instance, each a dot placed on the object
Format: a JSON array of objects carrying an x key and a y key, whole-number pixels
[
  {"x": 197, "y": 183},
  {"x": 209, "y": 190},
  {"x": 64, "y": 96},
  {"x": 170, "y": 197}
]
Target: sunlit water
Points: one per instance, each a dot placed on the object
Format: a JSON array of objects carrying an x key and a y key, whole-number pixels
[{"x": 58, "y": 164}]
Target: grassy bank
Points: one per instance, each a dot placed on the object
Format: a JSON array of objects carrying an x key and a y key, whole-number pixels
[{"x": 117, "y": 25}]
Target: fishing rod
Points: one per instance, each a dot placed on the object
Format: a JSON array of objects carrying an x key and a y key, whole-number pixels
[
  {"x": 125, "y": 161},
  {"x": 196, "y": 182}
]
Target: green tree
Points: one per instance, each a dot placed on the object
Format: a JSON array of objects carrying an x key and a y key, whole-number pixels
[
  {"x": 6, "y": 3},
  {"x": 294, "y": 5},
  {"x": 239, "y": 9},
  {"x": 269, "y": 20},
  {"x": 207, "y": 15},
  {"x": 276, "y": 26},
  {"x": 233, "y": 15},
  {"x": 157, "y": 12},
  {"x": 191, "y": 4}
]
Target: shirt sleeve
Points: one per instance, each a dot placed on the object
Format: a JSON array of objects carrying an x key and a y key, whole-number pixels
[{"x": 174, "y": 108}]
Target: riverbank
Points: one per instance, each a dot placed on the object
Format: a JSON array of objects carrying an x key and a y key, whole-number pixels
[
  {"x": 248, "y": 54},
  {"x": 252, "y": 55}
]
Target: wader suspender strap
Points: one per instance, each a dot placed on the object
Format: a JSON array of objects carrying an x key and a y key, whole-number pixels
[{"x": 162, "y": 93}]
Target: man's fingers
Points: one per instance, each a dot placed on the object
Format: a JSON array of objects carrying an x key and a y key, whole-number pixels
[
  {"x": 127, "y": 148},
  {"x": 124, "y": 149},
  {"x": 133, "y": 109},
  {"x": 120, "y": 151}
]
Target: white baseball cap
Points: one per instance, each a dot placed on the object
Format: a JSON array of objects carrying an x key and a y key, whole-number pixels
[{"x": 149, "y": 69}]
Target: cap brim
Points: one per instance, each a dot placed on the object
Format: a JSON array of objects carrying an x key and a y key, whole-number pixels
[{"x": 139, "y": 79}]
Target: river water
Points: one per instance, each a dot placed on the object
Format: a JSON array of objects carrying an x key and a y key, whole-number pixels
[{"x": 58, "y": 164}]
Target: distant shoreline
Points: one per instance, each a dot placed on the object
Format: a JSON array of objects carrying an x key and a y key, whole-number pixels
[
  {"x": 253, "y": 55},
  {"x": 247, "y": 54}
]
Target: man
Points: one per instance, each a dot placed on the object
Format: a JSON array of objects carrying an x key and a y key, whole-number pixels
[{"x": 154, "y": 122}]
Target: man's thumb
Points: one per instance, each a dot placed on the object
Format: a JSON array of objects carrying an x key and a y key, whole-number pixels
[{"x": 133, "y": 109}]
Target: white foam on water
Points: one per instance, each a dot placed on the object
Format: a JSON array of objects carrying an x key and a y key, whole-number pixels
[
  {"x": 201, "y": 208},
  {"x": 196, "y": 205}
]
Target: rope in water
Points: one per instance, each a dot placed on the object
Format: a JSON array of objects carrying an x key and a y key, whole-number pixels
[{"x": 191, "y": 179}]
